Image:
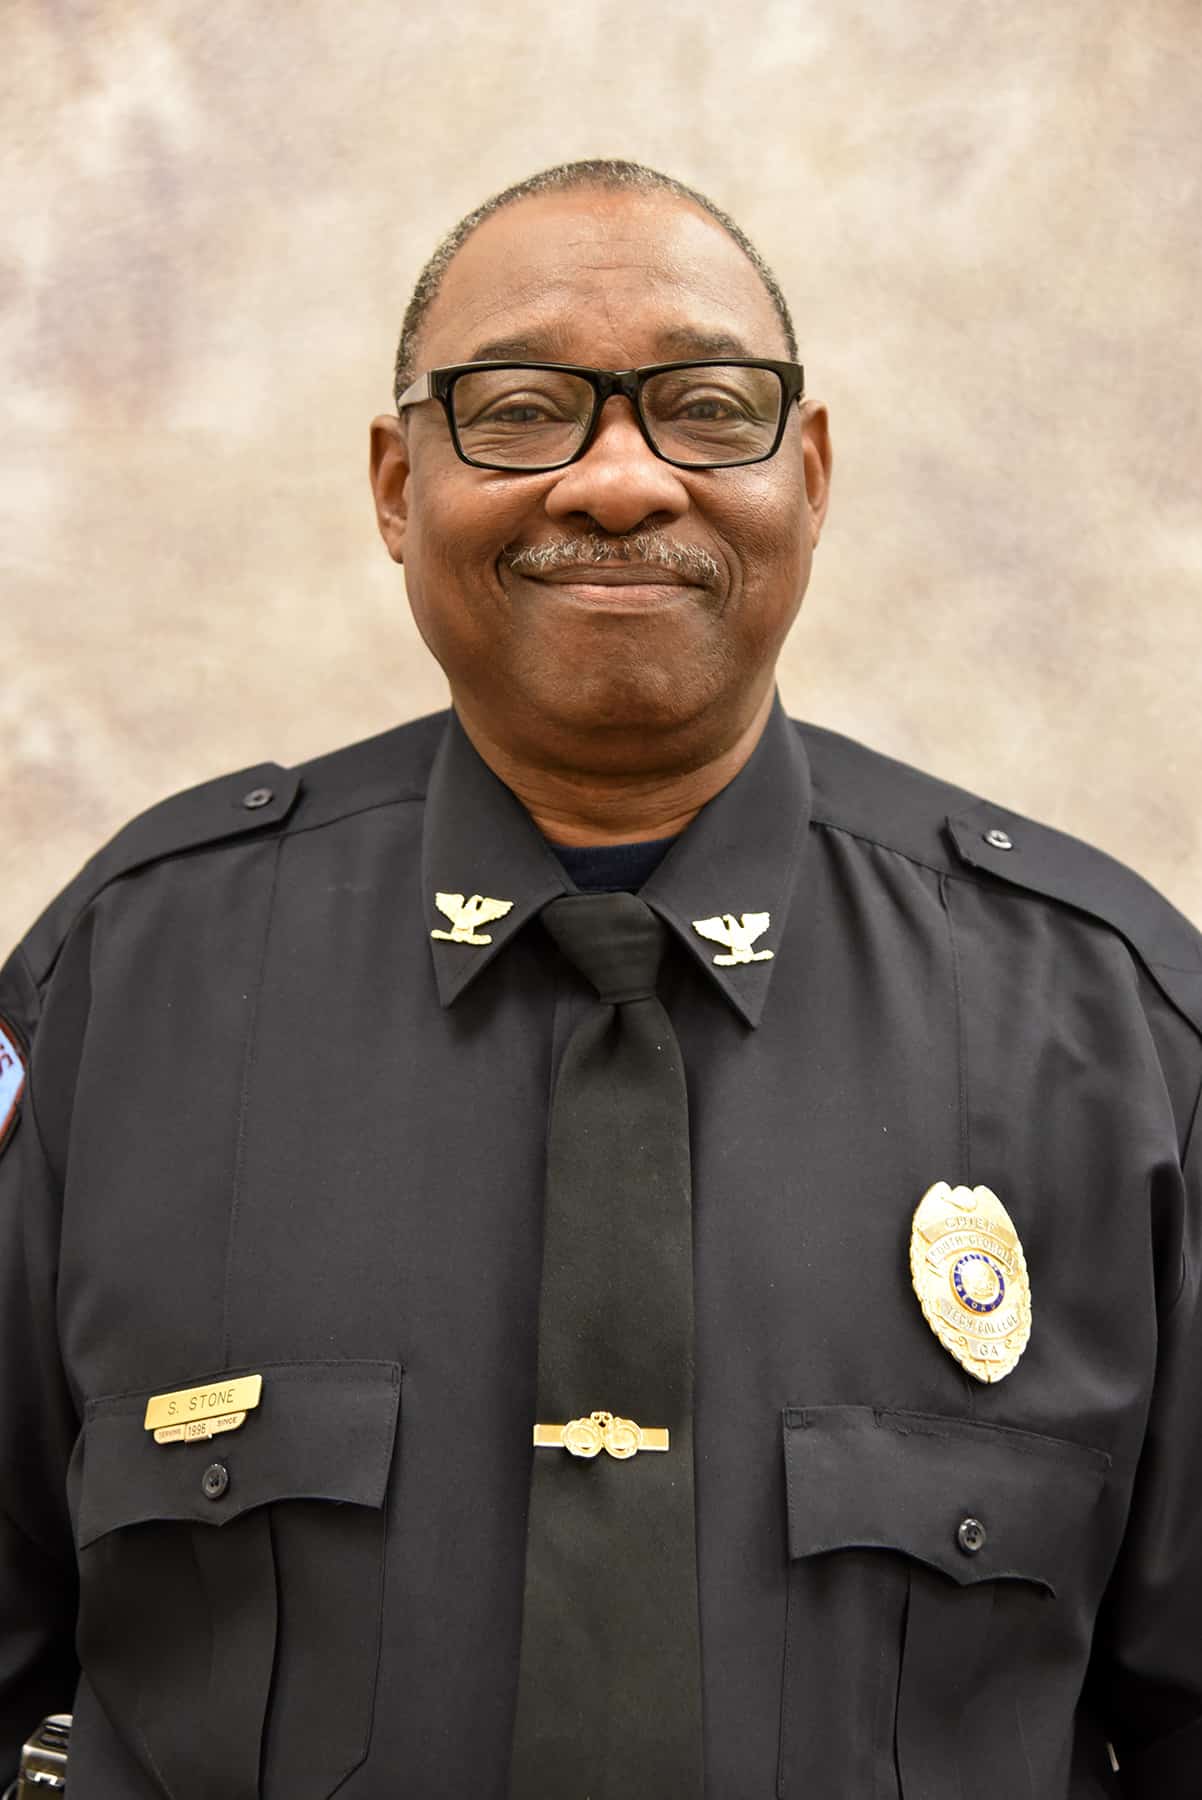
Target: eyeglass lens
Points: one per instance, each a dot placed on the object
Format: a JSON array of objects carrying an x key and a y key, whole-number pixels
[{"x": 708, "y": 414}]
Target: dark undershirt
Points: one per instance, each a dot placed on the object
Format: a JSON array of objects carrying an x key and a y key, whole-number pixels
[{"x": 612, "y": 868}]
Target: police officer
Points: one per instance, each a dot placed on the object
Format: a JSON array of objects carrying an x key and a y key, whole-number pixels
[{"x": 603, "y": 1242}]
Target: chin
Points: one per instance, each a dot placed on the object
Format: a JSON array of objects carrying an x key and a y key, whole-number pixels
[{"x": 625, "y": 705}]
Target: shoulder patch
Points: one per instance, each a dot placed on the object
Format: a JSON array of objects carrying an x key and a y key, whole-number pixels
[
  {"x": 12, "y": 1080},
  {"x": 1059, "y": 867}
]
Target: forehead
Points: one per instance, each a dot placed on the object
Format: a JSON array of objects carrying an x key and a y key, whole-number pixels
[{"x": 603, "y": 277}]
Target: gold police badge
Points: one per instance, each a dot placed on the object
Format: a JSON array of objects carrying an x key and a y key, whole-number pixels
[{"x": 970, "y": 1276}]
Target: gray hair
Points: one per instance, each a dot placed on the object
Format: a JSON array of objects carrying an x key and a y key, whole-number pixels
[{"x": 597, "y": 172}]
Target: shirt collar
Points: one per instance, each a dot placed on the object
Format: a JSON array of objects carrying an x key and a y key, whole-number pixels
[{"x": 738, "y": 856}]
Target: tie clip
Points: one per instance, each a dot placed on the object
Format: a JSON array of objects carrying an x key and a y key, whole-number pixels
[{"x": 622, "y": 1438}]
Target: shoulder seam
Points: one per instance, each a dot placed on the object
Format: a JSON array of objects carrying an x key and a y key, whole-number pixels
[
  {"x": 1161, "y": 972},
  {"x": 920, "y": 862},
  {"x": 203, "y": 847},
  {"x": 34, "y": 985},
  {"x": 1184, "y": 1151},
  {"x": 298, "y": 828},
  {"x": 998, "y": 885}
]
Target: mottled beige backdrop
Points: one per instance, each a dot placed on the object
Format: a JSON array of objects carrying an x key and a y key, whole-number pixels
[{"x": 987, "y": 217}]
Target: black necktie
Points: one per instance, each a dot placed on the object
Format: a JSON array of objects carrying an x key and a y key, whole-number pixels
[{"x": 609, "y": 1689}]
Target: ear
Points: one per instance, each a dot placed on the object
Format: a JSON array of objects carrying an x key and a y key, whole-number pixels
[
  {"x": 816, "y": 455},
  {"x": 390, "y": 481}
]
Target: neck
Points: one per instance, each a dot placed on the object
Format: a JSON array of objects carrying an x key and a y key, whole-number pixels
[{"x": 576, "y": 804}]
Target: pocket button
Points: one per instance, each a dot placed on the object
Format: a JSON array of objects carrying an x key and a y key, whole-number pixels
[
  {"x": 216, "y": 1479},
  {"x": 970, "y": 1535}
]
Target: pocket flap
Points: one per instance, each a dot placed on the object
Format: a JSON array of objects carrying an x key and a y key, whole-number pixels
[
  {"x": 322, "y": 1431},
  {"x": 862, "y": 1477}
]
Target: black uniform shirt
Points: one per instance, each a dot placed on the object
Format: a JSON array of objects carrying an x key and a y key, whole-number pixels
[{"x": 272, "y": 1126}]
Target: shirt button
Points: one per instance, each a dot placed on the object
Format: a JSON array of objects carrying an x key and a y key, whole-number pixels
[
  {"x": 256, "y": 798},
  {"x": 999, "y": 840},
  {"x": 970, "y": 1535},
  {"x": 216, "y": 1479}
]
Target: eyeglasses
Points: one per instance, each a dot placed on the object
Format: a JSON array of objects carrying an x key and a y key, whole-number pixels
[{"x": 535, "y": 417}]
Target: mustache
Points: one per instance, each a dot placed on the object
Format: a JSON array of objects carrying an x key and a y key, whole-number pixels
[{"x": 647, "y": 547}]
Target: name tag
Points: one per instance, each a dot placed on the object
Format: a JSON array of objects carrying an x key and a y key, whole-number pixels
[
  {"x": 216, "y": 1401},
  {"x": 197, "y": 1429}
]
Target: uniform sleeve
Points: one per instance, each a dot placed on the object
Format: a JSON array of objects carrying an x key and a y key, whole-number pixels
[
  {"x": 1147, "y": 1674},
  {"x": 38, "y": 1424}
]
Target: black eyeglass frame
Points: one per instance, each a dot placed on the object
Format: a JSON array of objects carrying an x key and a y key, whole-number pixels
[{"x": 439, "y": 384}]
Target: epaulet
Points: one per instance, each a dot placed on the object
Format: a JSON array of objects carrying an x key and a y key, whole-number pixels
[
  {"x": 1058, "y": 867},
  {"x": 231, "y": 807}
]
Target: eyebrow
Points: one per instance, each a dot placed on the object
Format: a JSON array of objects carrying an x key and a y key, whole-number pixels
[
  {"x": 514, "y": 350},
  {"x": 683, "y": 340},
  {"x": 690, "y": 342}
]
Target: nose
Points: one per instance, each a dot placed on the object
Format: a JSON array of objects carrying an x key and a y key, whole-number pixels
[{"x": 619, "y": 483}]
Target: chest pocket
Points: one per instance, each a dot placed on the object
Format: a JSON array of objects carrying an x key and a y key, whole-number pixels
[
  {"x": 230, "y": 1590},
  {"x": 933, "y": 1592}
]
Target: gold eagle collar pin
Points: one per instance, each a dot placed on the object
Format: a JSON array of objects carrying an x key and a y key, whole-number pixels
[
  {"x": 736, "y": 936},
  {"x": 467, "y": 916},
  {"x": 970, "y": 1274}
]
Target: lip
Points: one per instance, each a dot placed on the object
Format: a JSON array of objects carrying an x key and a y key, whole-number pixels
[
  {"x": 615, "y": 575},
  {"x": 599, "y": 589}
]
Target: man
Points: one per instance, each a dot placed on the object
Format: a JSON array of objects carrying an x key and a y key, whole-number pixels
[{"x": 459, "y": 1362}]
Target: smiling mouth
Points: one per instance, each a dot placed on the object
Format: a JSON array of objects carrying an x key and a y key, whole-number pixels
[
  {"x": 616, "y": 575},
  {"x": 619, "y": 588}
]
